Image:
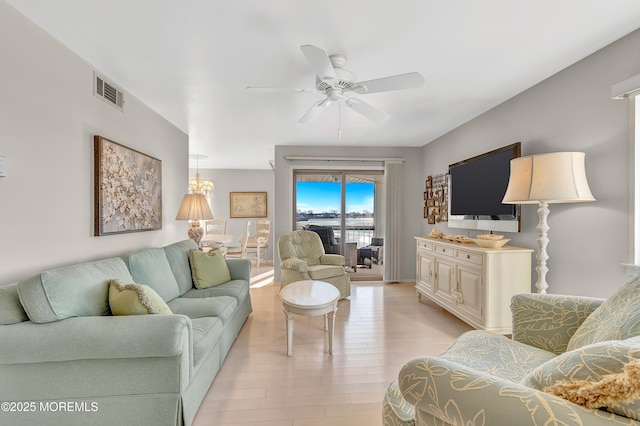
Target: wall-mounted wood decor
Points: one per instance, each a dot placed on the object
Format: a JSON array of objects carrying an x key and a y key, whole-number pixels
[{"x": 436, "y": 198}]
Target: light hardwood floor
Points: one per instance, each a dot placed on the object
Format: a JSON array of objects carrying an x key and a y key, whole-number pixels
[{"x": 377, "y": 330}]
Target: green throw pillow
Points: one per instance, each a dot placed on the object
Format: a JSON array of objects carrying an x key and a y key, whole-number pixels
[
  {"x": 618, "y": 318},
  {"x": 208, "y": 269},
  {"x": 135, "y": 299}
]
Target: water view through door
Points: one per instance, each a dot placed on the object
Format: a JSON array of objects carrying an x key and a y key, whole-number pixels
[{"x": 350, "y": 204}]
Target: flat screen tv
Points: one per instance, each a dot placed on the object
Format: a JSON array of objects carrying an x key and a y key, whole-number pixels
[{"x": 477, "y": 186}]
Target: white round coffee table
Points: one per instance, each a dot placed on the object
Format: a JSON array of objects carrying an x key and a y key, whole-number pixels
[{"x": 309, "y": 298}]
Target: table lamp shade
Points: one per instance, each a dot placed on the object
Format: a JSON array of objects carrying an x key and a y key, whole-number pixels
[
  {"x": 194, "y": 207},
  {"x": 557, "y": 177}
]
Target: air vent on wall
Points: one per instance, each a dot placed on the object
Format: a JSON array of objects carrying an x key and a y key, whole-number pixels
[{"x": 108, "y": 91}]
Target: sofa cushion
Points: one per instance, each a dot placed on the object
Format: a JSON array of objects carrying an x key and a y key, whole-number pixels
[
  {"x": 496, "y": 355},
  {"x": 618, "y": 318},
  {"x": 590, "y": 362},
  {"x": 222, "y": 307},
  {"x": 151, "y": 267},
  {"x": 235, "y": 288},
  {"x": 206, "y": 333},
  {"x": 178, "y": 257},
  {"x": 11, "y": 311},
  {"x": 318, "y": 272},
  {"x": 135, "y": 299},
  {"x": 209, "y": 269},
  {"x": 71, "y": 291}
]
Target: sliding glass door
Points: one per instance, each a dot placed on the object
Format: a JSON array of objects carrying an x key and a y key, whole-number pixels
[{"x": 344, "y": 205}]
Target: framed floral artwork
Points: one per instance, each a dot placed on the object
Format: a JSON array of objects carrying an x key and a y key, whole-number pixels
[
  {"x": 248, "y": 204},
  {"x": 127, "y": 189}
]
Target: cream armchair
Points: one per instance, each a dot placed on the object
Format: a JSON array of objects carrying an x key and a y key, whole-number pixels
[{"x": 302, "y": 257}]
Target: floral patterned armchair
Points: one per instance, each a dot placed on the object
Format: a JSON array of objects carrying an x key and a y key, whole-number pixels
[
  {"x": 488, "y": 379},
  {"x": 302, "y": 257}
]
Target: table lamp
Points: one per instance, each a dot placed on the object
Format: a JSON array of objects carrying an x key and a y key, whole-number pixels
[
  {"x": 543, "y": 179},
  {"x": 194, "y": 207}
]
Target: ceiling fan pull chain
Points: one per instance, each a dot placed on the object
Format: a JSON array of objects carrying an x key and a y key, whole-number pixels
[{"x": 340, "y": 121}]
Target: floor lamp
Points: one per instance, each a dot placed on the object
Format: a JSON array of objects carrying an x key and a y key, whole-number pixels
[{"x": 543, "y": 179}]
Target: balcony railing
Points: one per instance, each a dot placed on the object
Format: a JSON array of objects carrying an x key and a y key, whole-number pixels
[{"x": 360, "y": 234}]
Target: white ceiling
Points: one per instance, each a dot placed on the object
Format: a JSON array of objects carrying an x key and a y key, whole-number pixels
[{"x": 190, "y": 60}]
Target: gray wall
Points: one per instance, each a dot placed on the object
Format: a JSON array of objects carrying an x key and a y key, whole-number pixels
[
  {"x": 236, "y": 180},
  {"x": 48, "y": 116},
  {"x": 413, "y": 184},
  {"x": 571, "y": 111}
]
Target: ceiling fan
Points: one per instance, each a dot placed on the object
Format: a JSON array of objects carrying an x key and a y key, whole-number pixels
[{"x": 338, "y": 84}]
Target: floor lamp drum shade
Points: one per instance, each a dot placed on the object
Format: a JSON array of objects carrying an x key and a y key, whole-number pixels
[
  {"x": 543, "y": 179},
  {"x": 557, "y": 177}
]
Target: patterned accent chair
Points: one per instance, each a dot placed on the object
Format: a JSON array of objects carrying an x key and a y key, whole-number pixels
[
  {"x": 302, "y": 257},
  {"x": 488, "y": 379}
]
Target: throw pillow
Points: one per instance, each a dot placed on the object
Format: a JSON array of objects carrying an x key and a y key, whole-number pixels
[
  {"x": 612, "y": 390},
  {"x": 135, "y": 299},
  {"x": 589, "y": 365},
  {"x": 208, "y": 269},
  {"x": 618, "y": 318}
]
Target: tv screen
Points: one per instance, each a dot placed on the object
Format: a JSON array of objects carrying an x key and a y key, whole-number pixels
[{"x": 478, "y": 185}]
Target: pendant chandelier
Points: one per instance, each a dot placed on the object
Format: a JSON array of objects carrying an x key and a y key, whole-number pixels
[{"x": 197, "y": 185}]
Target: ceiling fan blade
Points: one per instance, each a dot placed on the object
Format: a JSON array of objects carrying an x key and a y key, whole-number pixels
[
  {"x": 320, "y": 62},
  {"x": 384, "y": 84},
  {"x": 315, "y": 111},
  {"x": 367, "y": 110},
  {"x": 278, "y": 89}
]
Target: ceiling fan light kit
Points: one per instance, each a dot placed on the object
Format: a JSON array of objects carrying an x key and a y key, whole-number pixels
[{"x": 337, "y": 84}]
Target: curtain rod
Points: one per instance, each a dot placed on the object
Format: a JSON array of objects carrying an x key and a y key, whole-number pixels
[{"x": 365, "y": 159}]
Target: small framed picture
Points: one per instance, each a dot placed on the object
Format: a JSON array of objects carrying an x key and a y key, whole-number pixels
[
  {"x": 431, "y": 202},
  {"x": 248, "y": 204},
  {"x": 426, "y": 212},
  {"x": 431, "y": 220}
]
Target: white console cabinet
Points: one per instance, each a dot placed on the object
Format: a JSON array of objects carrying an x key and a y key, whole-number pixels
[{"x": 473, "y": 283}]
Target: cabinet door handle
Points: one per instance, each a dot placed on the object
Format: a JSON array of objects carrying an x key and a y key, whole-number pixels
[
  {"x": 468, "y": 256},
  {"x": 443, "y": 250}
]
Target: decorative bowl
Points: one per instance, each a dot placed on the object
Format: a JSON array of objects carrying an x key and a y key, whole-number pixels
[
  {"x": 491, "y": 243},
  {"x": 490, "y": 237}
]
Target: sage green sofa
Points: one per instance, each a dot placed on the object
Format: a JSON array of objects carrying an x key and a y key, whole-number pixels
[
  {"x": 488, "y": 379},
  {"x": 65, "y": 360}
]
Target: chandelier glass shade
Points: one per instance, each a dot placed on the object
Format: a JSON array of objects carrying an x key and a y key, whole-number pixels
[{"x": 197, "y": 185}]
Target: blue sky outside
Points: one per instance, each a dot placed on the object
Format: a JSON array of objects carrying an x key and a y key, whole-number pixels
[{"x": 321, "y": 197}]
